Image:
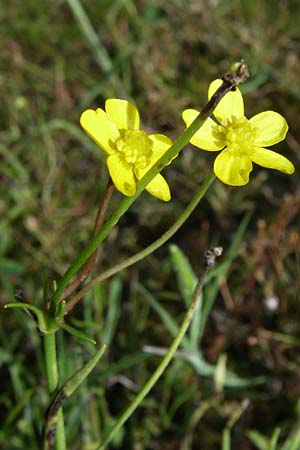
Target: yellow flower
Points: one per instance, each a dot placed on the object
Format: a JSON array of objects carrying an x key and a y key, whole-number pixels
[
  {"x": 129, "y": 151},
  {"x": 242, "y": 141}
]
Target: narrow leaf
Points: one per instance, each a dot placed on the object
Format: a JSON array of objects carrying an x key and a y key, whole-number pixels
[
  {"x": 77, "y": 333},
  {"x": 261, "y": 442}
]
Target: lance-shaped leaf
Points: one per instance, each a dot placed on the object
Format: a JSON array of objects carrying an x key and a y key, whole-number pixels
[
  {"x": 77, "y": 333},
  {"x": 65, "y": 391}
]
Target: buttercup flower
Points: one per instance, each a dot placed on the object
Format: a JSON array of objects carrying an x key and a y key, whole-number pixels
[
  {"x": 128, "y": 151},
  {"x": 242, "y": 141}
]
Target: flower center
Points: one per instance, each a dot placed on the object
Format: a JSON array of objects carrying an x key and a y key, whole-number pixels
[
  {"x": 136, "y": 147},
  {"x": 240, "y": 136}
]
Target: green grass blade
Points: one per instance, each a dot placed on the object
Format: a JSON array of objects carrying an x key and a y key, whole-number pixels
[
  {"x": 165, "y": 317},
  {"x": 123, "y": 364},
  {"x": 226, "y": 435},
  {"x": 187, "y": 281},
  {"x": 259, "y": 440},
  {"x": 292, "y": 442},
  {"x": 113, "y": 313},
  {"x": 90, "y": 34},
  {"x": 186, "y": 277},
  {"x": 274, "y": 439}
]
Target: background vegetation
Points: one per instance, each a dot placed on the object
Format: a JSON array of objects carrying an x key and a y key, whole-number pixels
[{"x": 57, "y": 59}]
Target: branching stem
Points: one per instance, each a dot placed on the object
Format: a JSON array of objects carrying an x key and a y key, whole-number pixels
[
  {"x": 201, "y": 191},
  {"x": 230, "y": 81}
]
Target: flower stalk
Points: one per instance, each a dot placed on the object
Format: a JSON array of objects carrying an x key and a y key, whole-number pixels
[
  {"x": 97, "y": 227},
  {"x": 201, "y": 191},
  {"x": 210, "y": 258}
]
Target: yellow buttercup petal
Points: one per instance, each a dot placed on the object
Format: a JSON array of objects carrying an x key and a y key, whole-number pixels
[
  {"x": 270, "y": 127},
  {"x": 160, "y": 144},
  {"x": 231, "y": 107},
  {"x": 99, "y": 128},
  {"x": 272, "y": 160},
  {"x": 158, "y": 187},
  {"x": 131, "y": 152},
  {"x": 208, "y": 137},
  {"x": 121, "y": 174},
  {"x": 242, "y": 139},
  {"x": 123, "y": 114},
  {"x": 233, "y": 168}
]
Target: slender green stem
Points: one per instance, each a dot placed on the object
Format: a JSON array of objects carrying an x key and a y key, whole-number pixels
[
  {"x": 162, "y": 366},
  {"x": 151, "y": 248},
  {"x": 60, "y": 436},
  {"x": 229, "y": 83},
  {"x": 51, "y": 362},
  {"x": 93, "y": 258},
  {"x": 52, "y": 377}
]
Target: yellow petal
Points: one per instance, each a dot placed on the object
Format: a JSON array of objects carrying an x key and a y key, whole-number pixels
[
  {"x": 158, "y": 187},
  {"x": 233, "y": 168},
  {"x": 272, "y": 160},
  {"x": 121, "y": 174},
  {"x": 161, "y": 144},
  {"x": 123, "y": 114},
  {"x": 270, "y": 126},
  {"x": 208, "y": 137},
  {"x": 231, "y": 107},
  {"x": 99, "y": 128}
]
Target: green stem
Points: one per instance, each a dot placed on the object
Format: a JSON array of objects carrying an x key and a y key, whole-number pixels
[
  {"x": 51, "y": 362},
  {"x": 60, "y": 436},
  {"x": 162, "y": 366},
  {"x": 52, "y": 377},
  {"x": 97, "y": 227},
  {"x": 229, "y": 83},
  {"x": 201, "y": 191}
]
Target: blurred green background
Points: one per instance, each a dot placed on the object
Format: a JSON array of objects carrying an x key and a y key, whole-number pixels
[{"x": 61, "y": 57}]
